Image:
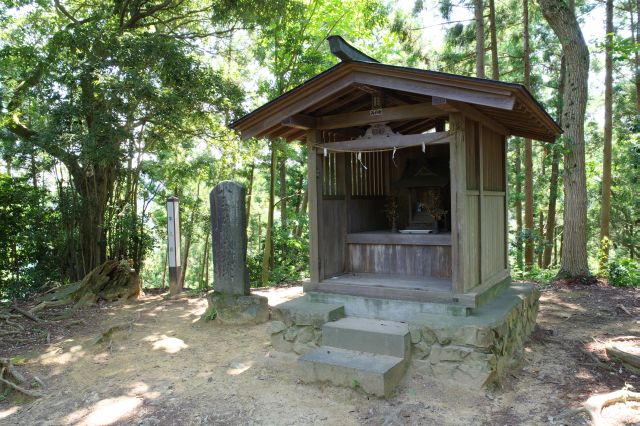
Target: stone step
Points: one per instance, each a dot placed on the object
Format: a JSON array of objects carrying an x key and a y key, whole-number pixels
[
  {"x": 368, "y": 335},
  {"x": 301, "y": 312},
  {"x": 373, "y": 373}
]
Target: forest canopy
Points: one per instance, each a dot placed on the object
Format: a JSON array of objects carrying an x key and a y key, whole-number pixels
[{"x": 107, "y": 108}]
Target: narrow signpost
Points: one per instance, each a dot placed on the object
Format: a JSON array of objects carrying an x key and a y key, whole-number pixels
[{"x": 173, "y": 244}]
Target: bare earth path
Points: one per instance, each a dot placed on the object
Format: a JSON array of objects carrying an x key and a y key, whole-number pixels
[{"x": 170, "y": 368}]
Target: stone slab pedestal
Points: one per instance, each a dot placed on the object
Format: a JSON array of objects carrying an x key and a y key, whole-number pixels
[{"x": 230, "y": 309}]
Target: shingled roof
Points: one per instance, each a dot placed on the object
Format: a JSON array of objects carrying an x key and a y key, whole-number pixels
[{"x": 347, "y": 86}]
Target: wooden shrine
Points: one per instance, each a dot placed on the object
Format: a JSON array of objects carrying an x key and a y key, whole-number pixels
[{"x": 424, "y": 147}]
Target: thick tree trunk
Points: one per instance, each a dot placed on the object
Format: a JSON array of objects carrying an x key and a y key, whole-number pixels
[
  {"x": 479, "y": 18},
  {"x": 574, "y": 261},
  {"x": 605, "y": 211},
  {"x": 268, "y": 240},
  {"x": 495, "y": 70},
  {"x": 94, "y": 184}
]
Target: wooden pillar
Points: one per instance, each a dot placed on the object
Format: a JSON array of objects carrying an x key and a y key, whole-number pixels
[
  {"x": 458, "y": 166},
  {"x": 315, "y": 199},
  {"x": 480, "y": 137},
  {"x": 505, "y": 178}
]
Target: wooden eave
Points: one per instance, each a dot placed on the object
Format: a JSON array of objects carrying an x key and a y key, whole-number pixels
[{"x": 339, "y": 90}]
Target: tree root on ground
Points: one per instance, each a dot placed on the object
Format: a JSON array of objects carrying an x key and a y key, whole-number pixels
[
  {"x": 630, "y": 358},
  {"x": 596, "y": 403},
  {"x": 593, "y": 357},
  {"x": 49, "y": 304},
  {"x": 106, "y": 336},
  {"x": 12, "y": 378},
  {"x": 27, "y": 314}
]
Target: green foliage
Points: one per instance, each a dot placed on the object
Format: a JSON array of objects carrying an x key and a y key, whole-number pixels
[
  {"x": 29, "y": 247},
  {"x": 624, "y": 272},
  {"x": 210, "y": 314},
  {"x": 128, "y": 103}
]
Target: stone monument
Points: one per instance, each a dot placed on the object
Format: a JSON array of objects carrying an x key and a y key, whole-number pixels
[{"x": 231, "y": 302}]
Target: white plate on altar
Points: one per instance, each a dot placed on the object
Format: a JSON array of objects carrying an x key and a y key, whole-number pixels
[{"x": 415, "y": 231}]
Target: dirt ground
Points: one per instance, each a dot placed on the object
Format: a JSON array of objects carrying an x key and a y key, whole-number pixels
[{"x": 168, "y": 367}]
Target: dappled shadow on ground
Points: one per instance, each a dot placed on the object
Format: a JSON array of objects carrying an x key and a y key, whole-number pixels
[{"x": 167, "y": 366}]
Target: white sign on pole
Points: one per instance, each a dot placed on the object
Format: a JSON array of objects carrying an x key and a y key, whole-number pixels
[{"x": 173, "y": 232}]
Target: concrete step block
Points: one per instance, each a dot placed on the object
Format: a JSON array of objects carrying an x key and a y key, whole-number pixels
[
  {"x": 373, "y": 373},
  {"x": 368, "y": 335},
  {"x": 301, "y": 311}
]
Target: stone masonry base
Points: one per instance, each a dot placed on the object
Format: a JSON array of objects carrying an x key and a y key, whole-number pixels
[{"x": 473, "y": 351}]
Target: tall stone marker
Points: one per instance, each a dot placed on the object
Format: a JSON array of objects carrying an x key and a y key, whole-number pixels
[
  {"x": 229, "y": 238},
  {"x": 231, "y": 301}
]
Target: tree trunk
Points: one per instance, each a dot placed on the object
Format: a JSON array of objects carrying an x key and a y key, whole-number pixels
[
  {"x": 301, "y": 208},
  {"x": 518, "y": 205},
  {"x": 528, "y": 149},
  {"x": 164, "y": 269},
  {"x": 94, "y": 185},
  {"x": 528, "y": 204},
  {"x": 540, "y": 232},
  {"x": 205, "y": 259},
  {"x": 283, "y": 191},
  {"x": 553, "y": 180},
  {"x": 189, "y": 238},
  {"x": 495, "y": 70},
  {"x": 252, "y": 170},
  {"x": 479, "y": 18},
  {"x": 34, "y": 171},
  {"x": 268, "y": 240},
  {"x": 636, "y": 38},
  {"x": 574, "y": 261},
  {"x": 605, "y": 211}
]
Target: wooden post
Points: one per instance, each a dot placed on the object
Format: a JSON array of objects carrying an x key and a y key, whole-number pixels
[
  {"x": 458, "y": 168},
  {"x": 481, "y": 235},
  {"x": 315, "y": 203},
  {"x": 506, "y": 205}
]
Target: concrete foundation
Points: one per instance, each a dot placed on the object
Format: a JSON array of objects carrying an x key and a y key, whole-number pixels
[{"x": 389, "y": 309}]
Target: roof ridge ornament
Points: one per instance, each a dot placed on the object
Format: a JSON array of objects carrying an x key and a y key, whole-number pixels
[{"x": 346, "y": 52}]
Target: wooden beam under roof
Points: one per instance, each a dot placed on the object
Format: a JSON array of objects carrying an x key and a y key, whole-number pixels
[
  {"x": 388, "y": 142},
  {"x": 361, "y": 118},
  {"x": 311, "y": 99},
  {"x": 300, "y": 121},
  {"x": 382, "y": 115}
]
